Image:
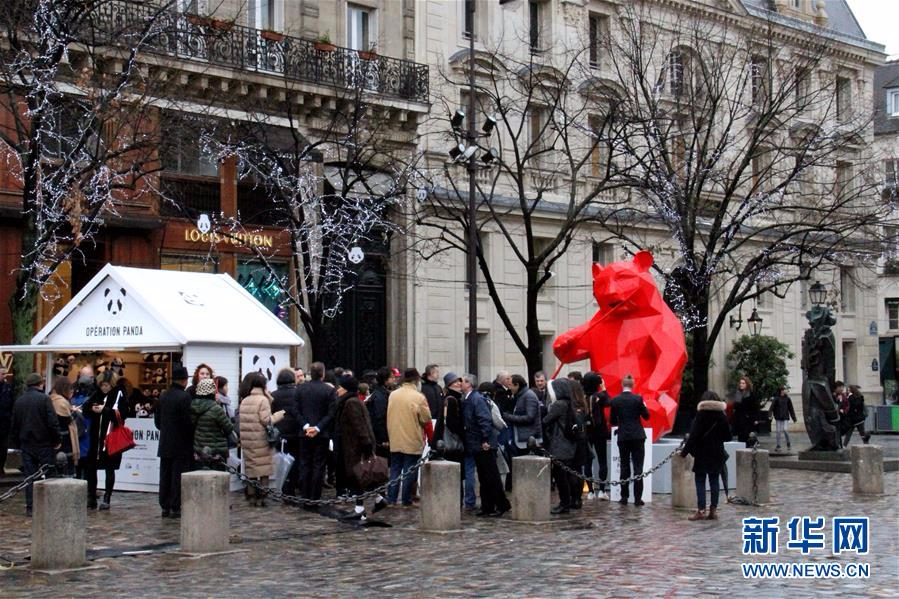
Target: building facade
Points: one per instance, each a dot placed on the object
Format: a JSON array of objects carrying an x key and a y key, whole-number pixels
[{"x": 528, "y": 32}]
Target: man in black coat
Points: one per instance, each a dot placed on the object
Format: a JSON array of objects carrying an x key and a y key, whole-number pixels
[
  {"x": 316, "y": 403},
  {"x": 431, "y": 390},
  {"x": 176, "y": 441},
  {"x": 34, "y": 430},
  {"x": 627, "y": 410},
  {"x": 6, "y": 403},
  {"x": 377, "y": 411}
]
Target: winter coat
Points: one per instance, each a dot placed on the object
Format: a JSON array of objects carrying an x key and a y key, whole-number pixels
[
  {"x": 746, "y": 408},
  {"x": 173, "y": 419},
  {"x": 68, "y": 430},
  {"x": 34, "y": 422},
  {"x": 377, "y": 411},
  {"x": 6, "y": 404},
  {"x": 316, "y": 402},
  {"x": 434, "y": 394},
  {"x": 450, "y": 417},
  {"x": 407, "y": 415},
  {"x": 627, "y": 410},
  {"x": 707, "y": 437},
  {"x": 284, "y": 398},
  {"x": 557, "y": 421},
  {"x": 599, "y": 404},
  {"x": 255, "y": 415},
  {"x": 212, "y": 427},
  {"x": 103, "y": 422},
  {"x": 525, "y": 418},
  {"x": 478, "y": 423},
  {"x": 782, "y": 408},
  {"x": 856, "y": 412},
  {"x": 355, "y": 439},
  {"x": 84, "y": 436},
  {"x": 503, "y": 397}
]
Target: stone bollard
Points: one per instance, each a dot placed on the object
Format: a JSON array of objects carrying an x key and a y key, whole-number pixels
[
  {"x": 59, "y": 525},
  {"x": 867, "y": 469},
  {"x": 439, "y": 489},
  {"x": 531, "y": 498},
  {"x": 683, "y": 485},
  {"x": 204, "y": 512},
  {"x": 744, "y": 475}
]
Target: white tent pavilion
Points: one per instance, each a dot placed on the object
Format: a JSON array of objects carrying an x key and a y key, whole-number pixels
[{"x": 208, "y": 318}]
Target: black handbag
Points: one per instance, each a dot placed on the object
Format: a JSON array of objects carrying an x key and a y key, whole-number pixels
[{"x": 272, "y": 435}]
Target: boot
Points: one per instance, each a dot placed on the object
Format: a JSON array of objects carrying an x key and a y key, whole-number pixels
[
  {"x": 699, "y": 515},
  {"x": 713, "y": 513}
]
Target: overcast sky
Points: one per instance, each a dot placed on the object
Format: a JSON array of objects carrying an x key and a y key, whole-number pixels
[{"x": 880, "y": 21}]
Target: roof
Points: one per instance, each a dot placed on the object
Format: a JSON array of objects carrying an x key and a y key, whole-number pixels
[
  {"x": 840, "y": 21},
  {"x": 886, "y": 77},
  {"x": 135, "y": 307}
]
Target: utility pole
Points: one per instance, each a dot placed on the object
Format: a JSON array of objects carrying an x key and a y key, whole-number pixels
[{"x": 472, "y": 208}]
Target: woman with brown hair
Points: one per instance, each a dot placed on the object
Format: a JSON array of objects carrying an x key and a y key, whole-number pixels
[
  {"x": 583, "y": 460},
  {"x": 61, "y": 396},
  {"x": 202, "y": 371},
  {"x": 107, "y": 409}
]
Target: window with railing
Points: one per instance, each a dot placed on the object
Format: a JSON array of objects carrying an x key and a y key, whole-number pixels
[
  {"x": 844, "y": 98},
  {"x": 892, "y": 309},
  {"x": 598, "y": 30}
]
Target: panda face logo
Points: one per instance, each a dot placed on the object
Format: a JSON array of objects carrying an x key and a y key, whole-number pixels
[
  {"x": 203, "y": 224},
  {"x": 115, "y": 300},
  {"x": 267, "y": 363},
  {"x": 356, "y": 255}
]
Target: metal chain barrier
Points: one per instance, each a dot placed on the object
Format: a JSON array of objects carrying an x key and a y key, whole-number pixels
[
  {"x": 625, "y": 481},
  {"x": 297, "y": 500},
  {"x": 40, "y": 474}
]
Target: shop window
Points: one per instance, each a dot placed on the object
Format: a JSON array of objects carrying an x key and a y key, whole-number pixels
[
  {"x": 188, "y": 263},
  {"x": 259, "y": 281}
]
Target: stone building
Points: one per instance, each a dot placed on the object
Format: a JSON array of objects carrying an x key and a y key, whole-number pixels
[{"x": 531, "y": 31}]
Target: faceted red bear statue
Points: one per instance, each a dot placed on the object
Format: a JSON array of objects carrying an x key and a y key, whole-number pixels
[{"x": 634, "y": 332}]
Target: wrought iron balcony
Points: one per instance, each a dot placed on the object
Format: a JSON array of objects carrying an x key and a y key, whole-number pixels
[{"x": 224, "y": 43}]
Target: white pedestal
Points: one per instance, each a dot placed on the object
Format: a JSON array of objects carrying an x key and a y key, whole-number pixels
[
  {"x": 615, "y": 467},
  {"x": 661, "y": 449}
]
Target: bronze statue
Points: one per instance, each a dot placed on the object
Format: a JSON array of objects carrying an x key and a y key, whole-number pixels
[{"x": 822, "y": 419}]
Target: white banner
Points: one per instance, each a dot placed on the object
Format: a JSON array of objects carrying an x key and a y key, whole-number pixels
[
  {"x": 265, "y": 360},
  {"x": 615, "y": 468}
]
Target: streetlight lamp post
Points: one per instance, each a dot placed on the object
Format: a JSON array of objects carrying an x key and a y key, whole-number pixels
[{"x": 472, "y": 210}]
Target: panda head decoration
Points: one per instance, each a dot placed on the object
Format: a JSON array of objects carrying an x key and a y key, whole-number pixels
[
  {"x": 115, "y": 300},
  {"x": 265, "y": 366}
]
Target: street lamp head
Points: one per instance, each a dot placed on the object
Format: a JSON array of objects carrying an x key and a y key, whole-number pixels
[
  {"x": 489, "y": 124},
  {"x": 457, "y": 151},
  {"x": 469, "y": 152},
  {"x": 458, "y": 119},
  {"x": 755, "y": 323},
  {"x": 490, "y": 155},
  {"x": 817, "y": 294}
]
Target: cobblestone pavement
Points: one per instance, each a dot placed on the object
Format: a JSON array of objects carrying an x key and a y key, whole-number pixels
[{"x": 605, "y": 550}]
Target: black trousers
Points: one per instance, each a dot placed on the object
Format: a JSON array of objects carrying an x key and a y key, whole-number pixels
[
  {"x": 603, "y": 459},
  {"x": 32, "y": 460},
  {"x": 569, "y": 485},
  {"x": 4, "y": 448},
  {"x": 493, "y": 497},
  {"x": 313, "y": 459},
  {"x": 90, "y": 471},
  {"x": 170, "y": 471},
  {"x": 632, "y": 453}
]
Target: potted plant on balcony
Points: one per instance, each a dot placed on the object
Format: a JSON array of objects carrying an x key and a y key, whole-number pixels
[
  {"x": 272, "y": 36},
  {"x": 223, "y": 25},
  {"x": 370, "y": 54},
  {"x": 323, "y": 43},
  {"x": 198, "y": 20}
]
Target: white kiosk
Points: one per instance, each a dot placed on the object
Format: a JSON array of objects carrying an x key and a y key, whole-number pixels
[{"x": 152, "y": 316}]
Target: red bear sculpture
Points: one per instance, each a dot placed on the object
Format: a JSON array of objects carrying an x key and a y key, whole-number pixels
[{"x": 634, "y": 332}]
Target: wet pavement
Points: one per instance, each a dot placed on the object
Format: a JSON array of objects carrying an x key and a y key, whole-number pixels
[{"x": 603, "y": 550}]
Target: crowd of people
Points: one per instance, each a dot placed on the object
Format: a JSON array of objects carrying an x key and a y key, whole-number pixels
[{"x": 332, "y": 424}]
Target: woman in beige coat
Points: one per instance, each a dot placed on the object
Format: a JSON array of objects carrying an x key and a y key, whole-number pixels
[
  {"x": 255, "y": 416},
  {"x": 61, "y": 396}
]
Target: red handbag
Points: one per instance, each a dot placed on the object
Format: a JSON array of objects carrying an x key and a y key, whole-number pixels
[{"x": 119, "y": 439}]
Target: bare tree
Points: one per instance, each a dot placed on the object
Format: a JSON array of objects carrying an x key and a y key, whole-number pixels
[
  {"x": 757, "y": 170},
  {"x": 332, "y": 190},
  {"x": 79, "y": 104},
  {"x": 555, "y": 149}
]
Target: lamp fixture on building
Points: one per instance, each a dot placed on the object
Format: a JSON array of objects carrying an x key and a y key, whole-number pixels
[
  {"x": 490, "y": 155},
  {"x": 737, "y": 322},
  {"x": 458, "y": 119},
  {"x": 755, "y": 323},
  {"x": 489, "y": 124},
  {"x": 817, "y": 293}
]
